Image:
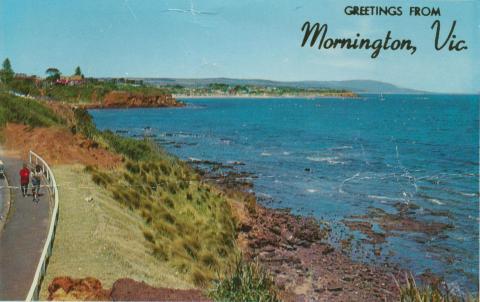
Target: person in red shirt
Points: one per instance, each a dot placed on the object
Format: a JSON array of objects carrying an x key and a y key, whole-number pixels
[{"x": 24, "y": 179}]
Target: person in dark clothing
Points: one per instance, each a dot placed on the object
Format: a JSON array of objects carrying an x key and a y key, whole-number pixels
[
  {"x": 36, "y": 176},
  {"x": 24, "y": 179}
]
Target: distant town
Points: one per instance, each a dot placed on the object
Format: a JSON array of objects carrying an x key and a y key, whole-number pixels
[{"x": 78, "y": 87}]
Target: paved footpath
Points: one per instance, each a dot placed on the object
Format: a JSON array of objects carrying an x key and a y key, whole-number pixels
[{"x": 23, "y": 236}]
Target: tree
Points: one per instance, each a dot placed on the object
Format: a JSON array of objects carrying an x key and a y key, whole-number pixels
[
  {"x": 78, "y": 72},
  {"x": 53, "y": 74},
  {"x": 6, "y": 73}
]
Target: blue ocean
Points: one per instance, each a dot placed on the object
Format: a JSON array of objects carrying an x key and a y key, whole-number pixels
[{"x": 338, "y": 158}]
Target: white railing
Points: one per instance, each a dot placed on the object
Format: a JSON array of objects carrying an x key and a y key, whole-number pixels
[{"x": 33, "y": 293}]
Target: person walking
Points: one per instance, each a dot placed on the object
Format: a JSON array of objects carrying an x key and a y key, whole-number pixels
[
  {"x": 24, "y": 179},
  {"x": 36, "y": 177}
]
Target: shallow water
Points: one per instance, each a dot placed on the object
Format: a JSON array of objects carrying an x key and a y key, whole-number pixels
[{"x": 333, "y": 158}]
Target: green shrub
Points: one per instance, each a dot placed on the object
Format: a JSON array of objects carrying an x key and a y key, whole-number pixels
[
  {"x": 247, "y": 282},
  {"x": 149, "y": 236},
  {"x": 132, "y": 167},
  {"x": 161, "y": 251},
  {"x": 410, "y": 292},
  {"x": 84, "y": 123},
  {"x": 169, "y": 202},
  {"x": 209, "y": 260},
  {"x": 23, "y": 86},
  {"x": 200, "y": 278},
  {"x": 101, "y": 178}
]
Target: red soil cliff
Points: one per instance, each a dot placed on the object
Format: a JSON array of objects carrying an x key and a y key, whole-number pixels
[{"x": 123, "y": 99}]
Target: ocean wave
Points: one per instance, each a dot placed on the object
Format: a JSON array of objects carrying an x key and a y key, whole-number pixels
[
  {"x": 468, "y": 194},
  {"x": 449, "y": 191},
  {"x": 342, "y": 148},
  {"x": 285, "y": 153},
  {"x": 386, "y": 198},
  {"x": 435, "y": 201},
  {"x": 312, "y": 190},
  {"x": 431, "y": 199},
  {"x": 265, "y": 154},
  {"x": 331, "y": 160}
]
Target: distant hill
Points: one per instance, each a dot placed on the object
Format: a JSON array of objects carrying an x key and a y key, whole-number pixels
[{"x": 358, "y": 86}]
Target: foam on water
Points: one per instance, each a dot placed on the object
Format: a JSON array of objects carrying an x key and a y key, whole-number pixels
[
  {"x": 435, "y": 201},
  {"x": 330, "y": 160},
  {"x": 386, "y": 198}
]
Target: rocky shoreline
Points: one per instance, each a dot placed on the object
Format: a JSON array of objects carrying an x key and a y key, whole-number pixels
[
  {"x": 299, "y": 253},
  {"x": 296, "y": 251},
  {"x": 305, "y": 266}
]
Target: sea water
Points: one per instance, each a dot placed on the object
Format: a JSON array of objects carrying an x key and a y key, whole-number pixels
[{"x": 334, "y": 158}]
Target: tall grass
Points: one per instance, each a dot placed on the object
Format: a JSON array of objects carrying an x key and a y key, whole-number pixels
[
  {"x": 246, "y": 282},
  {"x": 411, "y": 292},
  {"x": 25, "y": 111},
  {"x": 187, "y": 223}
]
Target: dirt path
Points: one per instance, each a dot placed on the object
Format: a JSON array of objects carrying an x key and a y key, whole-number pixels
[{"x": 23, "y": 237}]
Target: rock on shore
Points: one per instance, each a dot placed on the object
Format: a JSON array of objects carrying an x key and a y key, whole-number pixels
[{"x": 66, "y": 288}]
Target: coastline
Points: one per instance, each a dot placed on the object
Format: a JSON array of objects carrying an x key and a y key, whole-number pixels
[
  {"x": 216, "y": 96},
  {"x": 304, "y": 265}
]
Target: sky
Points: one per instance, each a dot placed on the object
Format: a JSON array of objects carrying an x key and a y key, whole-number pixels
[{"x": 237, "y": 39}]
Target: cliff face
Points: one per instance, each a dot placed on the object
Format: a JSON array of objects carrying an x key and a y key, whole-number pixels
[{"x": 123, "y": 99}]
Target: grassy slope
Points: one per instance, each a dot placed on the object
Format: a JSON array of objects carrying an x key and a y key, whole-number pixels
[
  {"x": 29, "y": 112},
  {"x": 101, "y": 238},
  {"x": 189, "y": 225}
]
